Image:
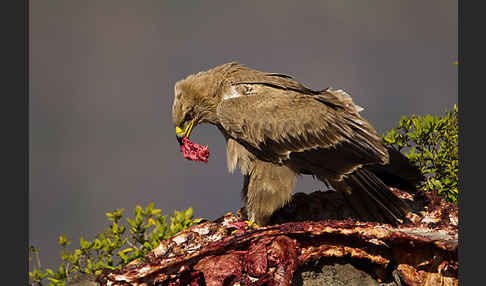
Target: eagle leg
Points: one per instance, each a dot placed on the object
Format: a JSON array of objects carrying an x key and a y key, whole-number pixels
[{"x": 266, "y": 188}]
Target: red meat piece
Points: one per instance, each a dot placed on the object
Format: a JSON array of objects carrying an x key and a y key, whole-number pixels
[{"x": 193, "y": 151}]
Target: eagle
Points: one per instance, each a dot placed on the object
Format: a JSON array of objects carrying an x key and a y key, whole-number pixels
[{"x": 277, "y": 129}]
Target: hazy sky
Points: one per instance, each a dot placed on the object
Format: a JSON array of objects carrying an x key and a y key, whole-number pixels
[{"x": 101, "y": 87}]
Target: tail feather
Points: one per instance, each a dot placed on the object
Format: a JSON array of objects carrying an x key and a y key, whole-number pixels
[
  {"x": 371, "y": 199},
  {"x": 399, "y": 172}
]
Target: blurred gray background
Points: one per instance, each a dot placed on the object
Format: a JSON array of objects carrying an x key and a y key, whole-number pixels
[{"x": 101, "y": 88}]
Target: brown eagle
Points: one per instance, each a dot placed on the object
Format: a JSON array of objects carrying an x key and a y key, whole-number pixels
[{"x": 276, "y": 128}]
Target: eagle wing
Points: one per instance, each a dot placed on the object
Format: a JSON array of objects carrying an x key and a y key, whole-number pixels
[{"x": 319, "y": 132}]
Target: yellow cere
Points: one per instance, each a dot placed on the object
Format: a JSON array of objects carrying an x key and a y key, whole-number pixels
[{"x": 189, "y": 128}]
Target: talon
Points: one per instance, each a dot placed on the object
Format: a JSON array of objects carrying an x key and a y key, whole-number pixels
[
  {"x": 242, "y": 226},
  {"x": 252, "y": 224}
]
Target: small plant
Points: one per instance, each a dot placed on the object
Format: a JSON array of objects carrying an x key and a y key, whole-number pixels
[
  {"x": 115, "y": 247},
  {"x": 431, "y": 143}
]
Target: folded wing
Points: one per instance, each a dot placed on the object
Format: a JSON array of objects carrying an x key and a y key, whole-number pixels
[{"x": 316, "y": 132}]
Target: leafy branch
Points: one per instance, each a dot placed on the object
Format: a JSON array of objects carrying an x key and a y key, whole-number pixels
[
  {"x": 115, "y": 247},
  {"x": 431, "y": 143}
]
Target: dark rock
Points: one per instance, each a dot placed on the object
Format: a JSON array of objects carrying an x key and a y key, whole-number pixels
[{"x": 332, "y": 272}]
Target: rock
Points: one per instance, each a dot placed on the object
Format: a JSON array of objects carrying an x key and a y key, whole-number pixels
[{"x": 332, "y": 272}]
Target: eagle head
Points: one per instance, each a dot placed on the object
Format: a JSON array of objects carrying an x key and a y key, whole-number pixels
[{"x": 195, "y": 102}]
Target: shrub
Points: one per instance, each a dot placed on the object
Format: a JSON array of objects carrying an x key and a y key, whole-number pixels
[
  {"x": 115, "y": 247},
  {"x": 430, "y": 142}
]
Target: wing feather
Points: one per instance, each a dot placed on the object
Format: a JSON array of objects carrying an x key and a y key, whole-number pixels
[
  {"x": 239, "y": 74},
  {"x": 278, "y": 122}
]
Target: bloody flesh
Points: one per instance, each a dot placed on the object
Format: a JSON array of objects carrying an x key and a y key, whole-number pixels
[{"x": 193, "y": 151}]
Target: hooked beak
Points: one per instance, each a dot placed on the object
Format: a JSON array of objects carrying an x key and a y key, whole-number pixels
[{"x": 181, "y": 133}]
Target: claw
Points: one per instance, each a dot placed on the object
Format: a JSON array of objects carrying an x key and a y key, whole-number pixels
[
  {"x": 243, "y": 226},
  {"x": 252, "y": 224}
]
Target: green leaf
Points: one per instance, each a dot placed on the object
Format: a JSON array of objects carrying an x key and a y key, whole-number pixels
[{"x": 62, "y": 240}]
